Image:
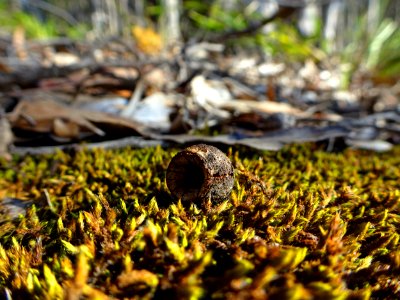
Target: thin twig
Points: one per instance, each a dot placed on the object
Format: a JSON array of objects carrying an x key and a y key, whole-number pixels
[{"x": 282, "y": 13}]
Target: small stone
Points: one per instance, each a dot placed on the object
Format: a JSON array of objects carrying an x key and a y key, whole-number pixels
[{"x": 200, "y": 172}]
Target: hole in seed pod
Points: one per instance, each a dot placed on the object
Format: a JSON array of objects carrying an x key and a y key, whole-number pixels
[
  {"x": 200, "y": 172},
  {"x": 186, "y": 178},
  {"x": 192, "y": 178}
]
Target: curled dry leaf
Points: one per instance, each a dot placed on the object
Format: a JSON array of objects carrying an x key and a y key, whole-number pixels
[
  {"x": 39, "y": 116},
  {"x": 46, "y": 116}
]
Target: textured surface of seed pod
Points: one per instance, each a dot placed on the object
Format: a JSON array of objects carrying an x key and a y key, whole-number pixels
[{"x": 200, "y": 172}]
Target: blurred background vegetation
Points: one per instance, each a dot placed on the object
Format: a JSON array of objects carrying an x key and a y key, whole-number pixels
[{"x": 363, "y": 34}]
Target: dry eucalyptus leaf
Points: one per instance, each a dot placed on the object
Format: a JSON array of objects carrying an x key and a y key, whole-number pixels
[
  {"x": 244, "y": 106},
  {"x": 110, "y": 105},
  {"x": 374, "y": 145},
  {"x": 262, "y": 121},
  {"x": 62, "y": 59},
  {"x": 65, "y": 128},
  {"x": 46, "y": 116},
  {"x": 256, "y": 143},
  {"x": 39, "y": 116},
  {"x": 154, "y": 111},
  {"x": 207, "y": 92},
  {"x": 6, "y": 136}
]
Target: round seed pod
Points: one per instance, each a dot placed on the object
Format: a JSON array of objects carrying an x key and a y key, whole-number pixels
[{"x": 200, "y": 172}]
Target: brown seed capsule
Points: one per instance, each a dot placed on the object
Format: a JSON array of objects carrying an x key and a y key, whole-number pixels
[{"x": 200, "y": 172}]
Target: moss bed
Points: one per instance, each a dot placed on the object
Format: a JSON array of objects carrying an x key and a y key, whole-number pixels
[{"x": 300, "y": 224}]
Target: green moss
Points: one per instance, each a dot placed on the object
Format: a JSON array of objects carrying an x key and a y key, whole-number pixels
[{"x": 300, "y": 224}]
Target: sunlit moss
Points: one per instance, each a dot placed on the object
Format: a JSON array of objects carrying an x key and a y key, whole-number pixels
[{"x": 300, "y": 224}]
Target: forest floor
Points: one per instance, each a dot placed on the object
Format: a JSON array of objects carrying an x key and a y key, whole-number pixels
[{"x": 87, "y": 131}]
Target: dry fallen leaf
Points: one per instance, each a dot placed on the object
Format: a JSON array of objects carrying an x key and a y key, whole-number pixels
[
  {"x": 6, "y": 136},
  {"x": 154, "y": 111},
  {"x": 147, "y": 39},
  {"x": 244, "y": 106},
  {"x": 46, "y": 116},
  {"x": 39, "y": 116},
  {"x": 65, "y": 128},
  {"x": 374, "y": 145},
  {"x": 262, "y": 121}
]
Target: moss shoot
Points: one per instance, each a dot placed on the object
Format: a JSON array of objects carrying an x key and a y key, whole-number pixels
[{"x": 300, "y": 224}]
